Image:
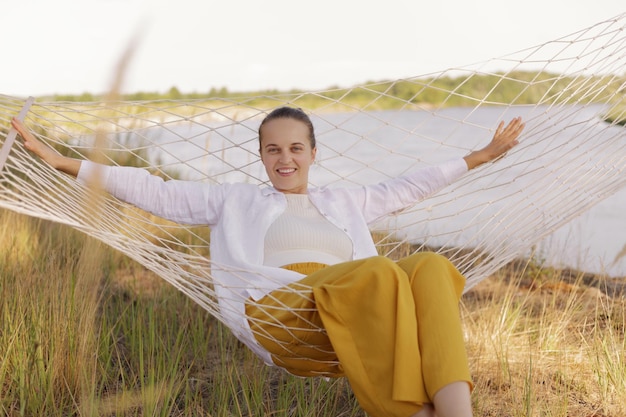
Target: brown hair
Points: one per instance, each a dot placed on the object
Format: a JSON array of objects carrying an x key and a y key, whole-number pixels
[{"x": 290, "y": 113}]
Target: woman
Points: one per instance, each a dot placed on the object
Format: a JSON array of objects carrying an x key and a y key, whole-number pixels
[{"x": 302, "y": 284}]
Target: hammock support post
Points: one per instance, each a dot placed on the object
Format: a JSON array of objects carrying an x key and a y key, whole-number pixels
[{"x": 8, "y": 143}]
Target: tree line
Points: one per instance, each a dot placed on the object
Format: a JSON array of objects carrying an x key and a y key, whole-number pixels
[{"x": 515, "y": 88}]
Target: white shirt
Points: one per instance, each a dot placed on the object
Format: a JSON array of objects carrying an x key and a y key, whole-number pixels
[{"x": 240, "y": 214}]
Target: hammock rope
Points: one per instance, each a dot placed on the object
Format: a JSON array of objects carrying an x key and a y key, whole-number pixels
[{"x": 572, "y": 155}]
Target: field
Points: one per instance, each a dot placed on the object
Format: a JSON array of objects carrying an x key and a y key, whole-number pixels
[{"x": 85, "y": 331}]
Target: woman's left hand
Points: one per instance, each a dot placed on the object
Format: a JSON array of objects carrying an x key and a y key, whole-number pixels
[
  {"x": 45, "y": 152},
  {"x": 504, "y": 139}
]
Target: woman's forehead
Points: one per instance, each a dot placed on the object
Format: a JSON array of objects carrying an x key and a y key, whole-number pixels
[{"x": 284, "y": 131}]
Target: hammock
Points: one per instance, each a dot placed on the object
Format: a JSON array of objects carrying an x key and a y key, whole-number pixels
[{"x": 572, "y": 155}]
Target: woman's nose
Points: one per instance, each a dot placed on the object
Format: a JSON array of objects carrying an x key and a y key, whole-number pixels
[{"x": 285, "y": 157}]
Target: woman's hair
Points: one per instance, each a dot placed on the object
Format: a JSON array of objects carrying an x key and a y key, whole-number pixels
[{"x": 290, "y": 113}]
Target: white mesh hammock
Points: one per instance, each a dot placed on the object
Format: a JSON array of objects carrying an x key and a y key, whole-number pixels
[{"x": 569, "y": 159}]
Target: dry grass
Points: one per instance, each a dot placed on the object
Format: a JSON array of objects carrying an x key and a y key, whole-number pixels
[
  {"x": 543, "y": 342},
  {"x": 86, "y": 332}
]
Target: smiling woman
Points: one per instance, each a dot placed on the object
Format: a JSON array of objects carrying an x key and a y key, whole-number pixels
[
  {"x": 330, "y": 309},
  {"x": 352, "y": 305},
  {"x": 287, "y": 147}
]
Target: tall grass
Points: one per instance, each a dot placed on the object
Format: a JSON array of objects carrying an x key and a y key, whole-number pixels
[
  {"x": 86, "y": 332},
  {"x": 49, "y": 288},
  {"x": 544, "y": 343}
]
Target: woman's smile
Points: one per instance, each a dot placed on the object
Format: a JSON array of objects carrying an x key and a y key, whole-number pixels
[{"x": 287, "y": 154}]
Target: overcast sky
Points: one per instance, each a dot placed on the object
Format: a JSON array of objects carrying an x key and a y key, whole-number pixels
[{"x": 72, "y": 46}]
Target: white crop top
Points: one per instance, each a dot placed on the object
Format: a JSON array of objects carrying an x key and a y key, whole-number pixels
[{"x": 302, "y": 234}]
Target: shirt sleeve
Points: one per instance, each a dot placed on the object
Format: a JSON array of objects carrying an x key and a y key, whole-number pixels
[
  {"x": 399, "y": 193},
  {"x": 453, "y": 170},
  {"x": 185, "y": 202},
  {"x": 91, "y": 173}
]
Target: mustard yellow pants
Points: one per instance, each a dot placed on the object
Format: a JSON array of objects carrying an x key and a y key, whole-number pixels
[{"x": 392, "y": 328}]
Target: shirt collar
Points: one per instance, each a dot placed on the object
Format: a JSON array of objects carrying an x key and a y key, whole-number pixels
[{"x": 269, "y": 190}]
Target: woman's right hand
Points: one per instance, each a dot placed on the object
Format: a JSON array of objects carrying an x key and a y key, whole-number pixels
[{"x": 45, "y": 152}]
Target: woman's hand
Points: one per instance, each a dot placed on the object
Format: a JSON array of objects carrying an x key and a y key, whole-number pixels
[
  {"x": 46, "y": 153},
  {"x": 504, "y": 139}
]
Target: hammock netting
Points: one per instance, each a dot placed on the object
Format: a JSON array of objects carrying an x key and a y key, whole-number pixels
[{"x": 572, "y": 155}]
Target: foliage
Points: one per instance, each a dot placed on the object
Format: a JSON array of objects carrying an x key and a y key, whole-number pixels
[{"x": 515, "y": 88}]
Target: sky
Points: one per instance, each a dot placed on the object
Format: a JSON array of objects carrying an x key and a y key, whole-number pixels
[{"x": 74, "y": 46}]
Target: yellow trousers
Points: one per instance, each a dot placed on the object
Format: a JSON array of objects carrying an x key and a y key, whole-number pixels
[{"x": 392, "y": 328}]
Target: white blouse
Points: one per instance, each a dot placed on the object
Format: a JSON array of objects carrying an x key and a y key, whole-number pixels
[{"x": 240, "y": 215}]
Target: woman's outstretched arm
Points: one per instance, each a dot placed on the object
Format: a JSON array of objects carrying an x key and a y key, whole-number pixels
[
  {"x": 504, "y": 139},
  {"x": 62, "y": 163}
]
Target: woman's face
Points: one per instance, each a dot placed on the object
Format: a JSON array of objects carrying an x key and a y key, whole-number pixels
[{"x": 287, "y": 155}]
